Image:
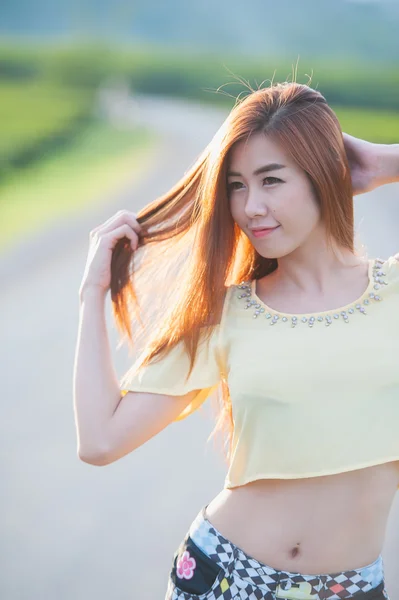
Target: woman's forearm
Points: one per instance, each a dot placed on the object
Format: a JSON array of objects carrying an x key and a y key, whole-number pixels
[
  {"x": 96, "y": 386},
  {"x": 389, "y": 163}
]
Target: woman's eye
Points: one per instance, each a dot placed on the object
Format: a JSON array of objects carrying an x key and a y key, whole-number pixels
[
  {"x": 231, "y": 185},
  {"x": 271, "y": 180}
]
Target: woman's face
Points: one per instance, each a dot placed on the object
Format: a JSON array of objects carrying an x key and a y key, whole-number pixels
[{"x": 280, "y": 195}]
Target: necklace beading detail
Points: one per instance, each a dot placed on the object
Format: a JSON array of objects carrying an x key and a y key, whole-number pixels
[{"x": 377, "y": 275}]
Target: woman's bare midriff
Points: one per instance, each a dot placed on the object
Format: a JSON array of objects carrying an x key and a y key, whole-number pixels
[{"x": 312, "y": 525}]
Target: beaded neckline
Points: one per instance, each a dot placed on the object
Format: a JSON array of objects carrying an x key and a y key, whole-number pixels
[{"x": 259, "y": 308}]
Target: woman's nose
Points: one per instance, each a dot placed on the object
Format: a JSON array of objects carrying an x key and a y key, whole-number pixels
[{"x": 255, "y": 206}]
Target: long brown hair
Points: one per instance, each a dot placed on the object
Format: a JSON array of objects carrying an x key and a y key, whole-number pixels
[{"x": 196, "y": 213}]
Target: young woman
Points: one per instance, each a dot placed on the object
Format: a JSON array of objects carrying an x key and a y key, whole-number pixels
[{"x": 294, "y": 328}]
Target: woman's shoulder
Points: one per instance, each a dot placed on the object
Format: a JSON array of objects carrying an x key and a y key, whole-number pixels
[
  {"x": 386, "y": 273},
  {"x": 234, "y": 290},
  {"x": 234, "y": 295},
  {"x": 390, "y": 266}
]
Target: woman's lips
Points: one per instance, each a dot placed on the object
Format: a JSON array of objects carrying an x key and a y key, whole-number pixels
[{"x": 263, "y": 232}]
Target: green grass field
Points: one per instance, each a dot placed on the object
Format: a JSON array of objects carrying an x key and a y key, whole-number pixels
[
  {"x": 34, "y": 112},
  {"x": 99, "y": 161},
  {"x": 381, "y": 127}
]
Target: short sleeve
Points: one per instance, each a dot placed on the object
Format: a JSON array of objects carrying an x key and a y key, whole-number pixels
[{"x": 169, "y": 374}]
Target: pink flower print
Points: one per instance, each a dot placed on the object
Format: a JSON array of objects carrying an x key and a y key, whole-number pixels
[{"x": 185, "y": 566}]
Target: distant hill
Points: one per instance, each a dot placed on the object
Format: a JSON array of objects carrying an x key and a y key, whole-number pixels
[{"x": 343, "y": 29}]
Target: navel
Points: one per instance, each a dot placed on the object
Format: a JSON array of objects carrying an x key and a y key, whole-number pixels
[{"x": 295, "y": 550}]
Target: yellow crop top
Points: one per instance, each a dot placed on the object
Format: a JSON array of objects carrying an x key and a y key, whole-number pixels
[{"x": 316, "y": 398}]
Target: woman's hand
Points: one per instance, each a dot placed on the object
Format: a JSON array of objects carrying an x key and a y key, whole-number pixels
[
  {"x": 371, "y": 164},
  {"x": 103, "y": 239}
]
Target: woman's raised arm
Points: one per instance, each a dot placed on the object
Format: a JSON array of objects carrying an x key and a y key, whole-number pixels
[{"x": 371, "y": 164}]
